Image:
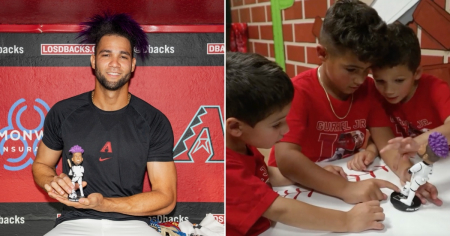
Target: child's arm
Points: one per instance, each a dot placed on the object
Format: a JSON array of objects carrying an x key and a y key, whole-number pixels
[
  {"x": 408, "y": 147},
  {"x": 361, "y": 217},
  {"x": 298, "y": 168},
  {"x": 381, "y": 136},
  {"x": 337, "y": 170},
  {"x": 276, "y": 178},
  {"x": 364, "y": 158},
  {"x": 400, "y": 166},
  {"x": 443, "y": 129}
]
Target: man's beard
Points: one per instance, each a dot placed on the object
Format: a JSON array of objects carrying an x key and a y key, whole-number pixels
[{"x": 113, "y": 86}]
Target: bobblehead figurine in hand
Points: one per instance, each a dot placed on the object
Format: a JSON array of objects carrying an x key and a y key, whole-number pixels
[
  {"x": 437, "y": 148},
  {"x": 76, "y": 170}
]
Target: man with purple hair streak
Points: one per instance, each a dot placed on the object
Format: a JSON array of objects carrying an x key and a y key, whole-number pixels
[
  {"x": 437, "y": 148},
  {"x": 122, "y": 136},
  {"x": 76, "y": 170}
]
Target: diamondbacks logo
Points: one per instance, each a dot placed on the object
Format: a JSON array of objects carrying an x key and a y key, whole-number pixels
[
  {"x": 204, "y": 133},
  {"x": 15, "y": 138},
  {"x": 107, "y": 148}
]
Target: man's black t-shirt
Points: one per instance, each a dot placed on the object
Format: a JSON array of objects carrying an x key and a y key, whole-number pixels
[{"x": 117, "y": 146}]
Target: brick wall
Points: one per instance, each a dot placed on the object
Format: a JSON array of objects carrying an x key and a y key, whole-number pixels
[
  {"x": 300, "y": 43},
  {"x": 432, "y": 51}
]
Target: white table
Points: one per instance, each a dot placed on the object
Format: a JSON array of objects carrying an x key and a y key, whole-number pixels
[{"x": 428, "y": 220}]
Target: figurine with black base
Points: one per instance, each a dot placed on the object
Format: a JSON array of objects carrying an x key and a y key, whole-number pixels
[
  {"x": 436, "y": 148},
  {"x": 77, "y": 171}
]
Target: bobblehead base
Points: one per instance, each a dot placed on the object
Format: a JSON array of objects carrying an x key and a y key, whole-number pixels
[
  {"x": 395, "y": 200},
  {"x": 74, "y": 198}
]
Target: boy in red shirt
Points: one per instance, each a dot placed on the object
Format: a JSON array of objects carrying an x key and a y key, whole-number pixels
[
  {"x": 416, "y": 103},
  {"x": 333, "y": 106},
  {"x": 258, "y": 98}
]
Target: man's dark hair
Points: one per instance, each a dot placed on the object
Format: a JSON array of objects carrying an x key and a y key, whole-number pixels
[
  {"x": 114, "y": 24},
  {"x": 353, "y": 26},
  {"x": 255, "y": 87},
  {"x": 403, "y": 48}
]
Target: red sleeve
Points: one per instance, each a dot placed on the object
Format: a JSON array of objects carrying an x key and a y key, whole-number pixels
[
  {"x": 440, "y": 98},
  {"x": 377, "y": 114},
  {"x": 247, "y": 198},
  {"x": 297, "y": 120},
  {"x": 272, "y": 161}
]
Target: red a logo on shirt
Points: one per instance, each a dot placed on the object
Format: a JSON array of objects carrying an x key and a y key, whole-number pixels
[
  {"x": 107, "y": 147},
  {"x": 203, "y": 138}
]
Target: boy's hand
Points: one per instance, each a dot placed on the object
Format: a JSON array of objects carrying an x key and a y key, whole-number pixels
[
  {"x": 427, "y": 191},
  {"x": 407, "y": 148},
  {"x": 366, "y": 190},
  {"x": 337, "y": 170},
  {"x": 365, "y": 216},
  {"x": 361, "y": 160},
  {"x": 93, "y": 201}
]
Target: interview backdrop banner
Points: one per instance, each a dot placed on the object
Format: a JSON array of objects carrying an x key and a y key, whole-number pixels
[{"x": 183, "y": 77}]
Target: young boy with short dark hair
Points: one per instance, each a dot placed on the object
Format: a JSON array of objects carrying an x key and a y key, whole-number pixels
[
  {"x": 258, "y": 98},
  {"x": 416, "y": 103},
  {"x": 333, "y": 106},
  {"x": 405, "y": 89}
]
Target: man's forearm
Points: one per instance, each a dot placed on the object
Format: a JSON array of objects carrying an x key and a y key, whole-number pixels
[
  {"x": 42, "y": 173},
  {"x": 142, "y": 204}
]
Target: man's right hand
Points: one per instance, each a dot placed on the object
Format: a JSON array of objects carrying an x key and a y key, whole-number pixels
[
  {"x": 61, "y": 185},
  {"x": 365, "y": 216},
  {"x": 366, "y": 190}
]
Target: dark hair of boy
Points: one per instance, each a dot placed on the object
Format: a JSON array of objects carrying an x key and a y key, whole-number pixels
[
  {"x": 255, "y": 87},
  {"x": 403, "y": 49},
  {"x": 353, "y": 26}
]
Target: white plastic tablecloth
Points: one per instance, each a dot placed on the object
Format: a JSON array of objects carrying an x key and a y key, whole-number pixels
[{"x": 428, "y": 220}]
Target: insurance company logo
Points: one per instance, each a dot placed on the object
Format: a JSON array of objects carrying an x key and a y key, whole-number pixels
[
  {"x": 24, "y": 140},
  {"x": 197, "y": 142},
  {"x": 67, "y": 49}
]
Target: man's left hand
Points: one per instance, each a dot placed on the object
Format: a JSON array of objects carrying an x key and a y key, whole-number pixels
[{"x": 93, "y": 201}]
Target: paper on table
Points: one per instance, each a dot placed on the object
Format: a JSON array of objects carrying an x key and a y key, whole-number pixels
[{"x": 429, "y": 220}]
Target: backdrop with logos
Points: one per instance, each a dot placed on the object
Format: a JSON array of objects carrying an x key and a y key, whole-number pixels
[{"x": 183, "y": 77}]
